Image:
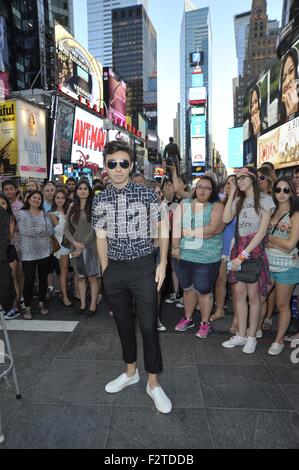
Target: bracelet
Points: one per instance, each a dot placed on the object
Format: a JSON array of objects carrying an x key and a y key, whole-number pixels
[
  {"x": 245, "y": 254},
  {"x": 242, "y": 258}
]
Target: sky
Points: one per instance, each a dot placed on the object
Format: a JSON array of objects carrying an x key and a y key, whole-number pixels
[{"x": 166, "y": 16}]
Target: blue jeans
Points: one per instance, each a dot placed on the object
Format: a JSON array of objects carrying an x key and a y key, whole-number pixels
[{"x": 197, "y": 276}]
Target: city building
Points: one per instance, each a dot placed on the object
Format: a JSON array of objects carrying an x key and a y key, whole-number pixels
[
  {"x": 176, "y": 126},
  {"x": 196, "y": 36},
  {"x": 289, "y": 25},
  {"x": 62, "y": 12},
  {"x": 100, "y": 26},
  {"x": 259, "y": 37},
  {"x": 29, "y": 42},
  {"x": 134, "y": 58}
]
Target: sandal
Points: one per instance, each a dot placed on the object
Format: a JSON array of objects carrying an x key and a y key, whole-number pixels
[
  {"x": 43, "y": 309},
  {"x": 215, "y": 317},
  {"x": 27, "y": 315}
]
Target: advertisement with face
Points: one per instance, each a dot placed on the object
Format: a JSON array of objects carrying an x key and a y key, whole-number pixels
[
  {"x": 65, "y": 123},
  {"x": 198, "y": 150},
  {"x": 89, "y": 139},
  {"x": 4, "y": 62},
  {"x": 78, "y": 73},
  {"x": 280, "y": 146},
  {"x": 8, "y": 138},
  {"x": 32, "y": 145},
  {"x": 256, "y": 109},
  {"x": 114, "y": 94},
  {"x": 198, "y": 126}
]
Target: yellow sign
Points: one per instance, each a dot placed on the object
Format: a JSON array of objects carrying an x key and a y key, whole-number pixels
[{"x": 8, "y": 138}]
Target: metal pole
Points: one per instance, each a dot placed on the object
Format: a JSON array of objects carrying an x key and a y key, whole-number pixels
[{"x": 54, "y": 115}]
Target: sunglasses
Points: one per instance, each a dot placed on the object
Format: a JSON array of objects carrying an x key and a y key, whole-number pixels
[
  {"x": 112, "y": 164},
  {"x": 285, "y": 190},
  {"x": 262, "y": 177}
]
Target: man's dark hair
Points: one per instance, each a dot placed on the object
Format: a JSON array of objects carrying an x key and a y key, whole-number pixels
[
  {"x": 9, "y": 183},
  {"x": 117, "y": 146},
  {"x": 170, "y": 139},
  {"x": 269, "y": 164},
  {"x": 71, "y": 178}
]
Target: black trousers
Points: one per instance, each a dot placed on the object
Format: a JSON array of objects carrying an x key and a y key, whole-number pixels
[
  {"x": 123, "y": 281},
  {"x": 29, "y": 270}
]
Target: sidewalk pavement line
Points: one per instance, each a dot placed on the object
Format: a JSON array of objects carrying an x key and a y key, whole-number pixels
[{"x": 41, "y": 325}]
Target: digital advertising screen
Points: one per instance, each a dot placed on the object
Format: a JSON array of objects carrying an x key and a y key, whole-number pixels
[
  {"x": 5, "y": 88},
  {"x": 198, "y": 150},
  {"x": 115, "y": 91},
  {"x": 197, "y": 95},
  {"x": 78, "y": 73},
  {"x": 197, "y": 79},
  {"x": 89, "y": 139},
  {"x": 235, "y": 147},
  {"x": 196, "y": 58},
  {"x": 64, "y": 131},
  {"x": 8, "y": 138},
  {"x": 198, "y": 126}
]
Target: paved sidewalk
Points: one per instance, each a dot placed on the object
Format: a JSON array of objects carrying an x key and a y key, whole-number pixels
[{"x": 221, "y": 398}]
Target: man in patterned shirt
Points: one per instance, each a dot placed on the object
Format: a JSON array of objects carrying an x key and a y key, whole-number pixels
[{"x": 126, "y": 218}]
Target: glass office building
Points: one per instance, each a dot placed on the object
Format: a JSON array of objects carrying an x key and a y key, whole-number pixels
[
  {"x": 196, "y": 34},
  {"x": 100, "y": 26}
]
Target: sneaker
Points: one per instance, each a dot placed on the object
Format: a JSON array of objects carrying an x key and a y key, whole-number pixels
[
  {"x": 204, "y": 330},
  {"x": 121, "y": 382},
  {"x": 172, "y": 298},
  {"x": 258, "y": 335},
  {"x": 22, "y": 304},
  {"x": 250, "y": 345},
  {"x": 180, "y": 303},
  {"x": 161, "y": 400},
  {"x": 184, "y": 324},
  {"x": 13, "y": 313},
  {"x": 275, "y": 349},
  {"x": 234, "y": 341},
  {"x": 161, "y": 327}
]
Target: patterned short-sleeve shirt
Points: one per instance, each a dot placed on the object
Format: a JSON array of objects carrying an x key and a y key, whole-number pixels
[{"x": 129, "y": 217}]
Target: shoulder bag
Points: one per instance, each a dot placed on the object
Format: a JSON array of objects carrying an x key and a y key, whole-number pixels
[{"x": 251, "y": 268}]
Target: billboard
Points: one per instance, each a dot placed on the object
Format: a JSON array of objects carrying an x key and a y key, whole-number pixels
[
  {"x": 280, "y": 146},
  {"x": 235, "y": 147},
  {"x": 4, "y": 61},
  {"x": 114, "y": 94},
  {"x": 32, "y": 143},
  {"x": 78, "y": 73},
  {"x": 196, "y": 58},
  {"x": 197, "y": 79},
  {"x": 64, "y": 132},
  {"x": 198, "y": 126},
  {"x": 89, "y": 139},
  {"x": 114, "y": 134},
  {"x": 198, "y": 110},
  {"x": 8, "y": 138},
  {"x": 198, "y": 170},
  {"x": 197, "y": 95},
  {"x": 198, "y": 150}
]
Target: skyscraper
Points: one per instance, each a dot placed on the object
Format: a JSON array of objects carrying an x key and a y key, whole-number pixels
[
  {"x": 241, "y": 22},
  {"x": 260, "y": 36},
  {"x": 196, "y": 35},
  {"x": 100, "y": 26},
  {"x": 62, "y": 12},
  {"x": 135, "y": 60}
]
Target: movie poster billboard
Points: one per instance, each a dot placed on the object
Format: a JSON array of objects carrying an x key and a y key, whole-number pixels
[
  {"x": 198, "y": 151},
  {"x": 32, "y": 144},
  {"x": 64, "y": 132},
  {"x": 4, "y": 60},
  {"x": 8, "y": 138},
  {"x": 115, "y": 91},
  {"x": 89, "y": 139},
  {"x": 280, "y": 146},
  {"x": 78, "y": 73},
  {"x": 198, "y": 126}
]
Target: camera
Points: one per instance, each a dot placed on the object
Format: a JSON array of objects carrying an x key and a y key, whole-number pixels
[{"x": 171, "y": 161}]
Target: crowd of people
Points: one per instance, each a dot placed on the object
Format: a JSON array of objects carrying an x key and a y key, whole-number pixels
[{"x": 236, "y": 239}]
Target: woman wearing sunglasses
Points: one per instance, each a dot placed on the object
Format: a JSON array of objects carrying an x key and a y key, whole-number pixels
[
  {"x": 282, "y": 254},
  {"x": 266, "y": 179},
  {"x": 253, "y": 210}
]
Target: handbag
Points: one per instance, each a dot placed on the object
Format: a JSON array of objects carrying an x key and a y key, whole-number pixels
[
  {"x": 87, "y": 264},
  {"x": 65, "y": 242},
  {"x": 55, "y": 244},
  {"x": 250, "y": 268}
]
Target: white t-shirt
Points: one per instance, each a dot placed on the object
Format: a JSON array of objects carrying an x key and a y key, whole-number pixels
[{"x": 249, "y": 220}]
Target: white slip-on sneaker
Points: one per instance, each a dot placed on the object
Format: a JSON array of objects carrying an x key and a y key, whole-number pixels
[
  {"x": 275, "y": 349},
  {"x": 121, "y": 382},
  {"x": 234, "y": 341},
  {"x": 161, "y": 400},
  {"x": 250, "y": 345}
]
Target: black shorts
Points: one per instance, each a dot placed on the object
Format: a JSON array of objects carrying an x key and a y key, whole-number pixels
[{"x": 12, "y": 254}]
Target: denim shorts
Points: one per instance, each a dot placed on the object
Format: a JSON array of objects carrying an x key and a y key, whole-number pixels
[
  {"x": 289, "y": 277},
  {"x": 197, "y": 276}
]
